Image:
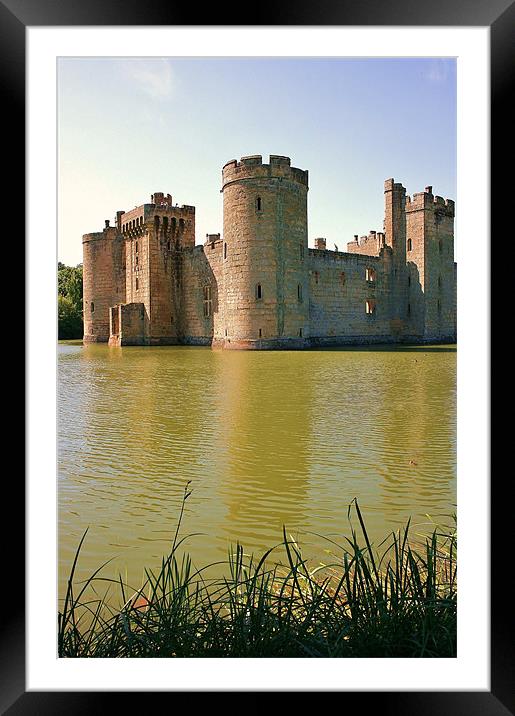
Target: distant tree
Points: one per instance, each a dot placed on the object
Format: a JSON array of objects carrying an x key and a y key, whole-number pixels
[
  {"x": 69, "y": 319},
  {"x": 69, "y": 289}
]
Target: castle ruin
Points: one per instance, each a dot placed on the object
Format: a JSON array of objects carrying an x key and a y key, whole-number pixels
[{"x": 260, "y": 286}]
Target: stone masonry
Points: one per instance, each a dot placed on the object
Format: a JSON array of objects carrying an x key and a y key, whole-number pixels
[{"x": 259, "y": 285}]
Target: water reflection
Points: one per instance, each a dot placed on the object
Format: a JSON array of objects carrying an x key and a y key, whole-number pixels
[{"x": 266, "y": 438}]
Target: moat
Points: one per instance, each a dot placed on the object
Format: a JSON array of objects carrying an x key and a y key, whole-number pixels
[{"x": 266, "y": 438}]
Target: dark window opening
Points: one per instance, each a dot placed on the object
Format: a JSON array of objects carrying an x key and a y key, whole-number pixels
[
  {"x": 342, "y": 278},
  {"x": 92, "y": 306},
  {"x": 137, "y": 284},
  {"x": 299, "y": 293},
  {"x": 409, "y": 309},
  {"x": 260, "y": 332},
  {"x": 225, "y": 250},
  {"x": 300, "y": 332},
  {"x": 409, "y": 280},
  {"x": 181, "y": 225},
  {"x": 259, "y": 292},
  {"x": 207, "y": 301},
  {"x": 258, "y": 203},
  {"x": 136, "y": 247},
  {"x": 409, "y": 245}
]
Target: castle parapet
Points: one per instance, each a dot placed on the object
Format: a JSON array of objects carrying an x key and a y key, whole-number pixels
[
  {"x": 252, "y": 167},
  {"x": 426, "y": 200},
  {"x": 369, "y": 245}
]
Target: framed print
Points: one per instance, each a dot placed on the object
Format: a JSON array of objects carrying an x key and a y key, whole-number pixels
[{"x": 44, "y": 49}]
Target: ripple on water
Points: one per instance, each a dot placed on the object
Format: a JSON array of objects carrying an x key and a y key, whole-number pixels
[{"x": 267, "y": 439}]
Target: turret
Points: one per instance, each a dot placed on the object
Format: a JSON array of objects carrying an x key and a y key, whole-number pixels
[{"x": 265, "y": 251}]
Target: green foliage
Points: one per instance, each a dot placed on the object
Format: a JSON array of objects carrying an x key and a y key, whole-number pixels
[
  {"x": 69, "y": 290},
  {"x": 69, "y": 319},
  {"x": 401, "y": 603}
]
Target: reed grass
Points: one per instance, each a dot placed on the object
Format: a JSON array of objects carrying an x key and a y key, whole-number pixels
[{"x": 396, "y": 601}]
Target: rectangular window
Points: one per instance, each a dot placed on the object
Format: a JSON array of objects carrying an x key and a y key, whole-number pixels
[
  {"x": 207, "y": 301},
  {"x": 370, "y": 307},
  {"x": 370, "y": 275},
  {"x": 137, "y": 283}
]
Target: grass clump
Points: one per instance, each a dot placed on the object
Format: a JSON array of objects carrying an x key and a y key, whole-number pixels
[{"x": 399, "y": 602}]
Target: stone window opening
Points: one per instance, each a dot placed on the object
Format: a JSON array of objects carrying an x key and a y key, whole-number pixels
[
  {"x": 299, "y": 293},
  {"x": 260, "y": 333},
  {"x": 258, "y": 203},
  {"x": 342, "y": 278},
  {"x": 409, "y": 309},
  {"x": 137, "y": 259},
  {"x": 92, "y": 306},
  {"x": 174, "y": 224},
  {"x": 370, "y": 306},
  {"x": 300, "y": 332},
  {"x": 409, "y": 245},
  {"x": 156, "y": 222},
  {"x": 301, "y": 247},
  {"x": 439, "y": 282},
  {"x": 317, "y": 276},
  {"x": 207, "y": 301},
  {"x": 259, "y": 292},
  {"x": 225, "y": 250},
  {"x": 409, "y": 280},
  {"x": 137, "y": 283},
  {"x": 181, "y": 225},
  {"x": 370, "y": 275},
  {"x": 136, "y": 247},
  {"x": 439, "y": 306}
]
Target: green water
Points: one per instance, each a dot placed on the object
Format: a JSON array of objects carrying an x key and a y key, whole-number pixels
[{"x": 267, "y": 439}]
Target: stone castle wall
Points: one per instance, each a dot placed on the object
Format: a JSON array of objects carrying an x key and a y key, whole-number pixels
[{"x": 103, "y": 281}]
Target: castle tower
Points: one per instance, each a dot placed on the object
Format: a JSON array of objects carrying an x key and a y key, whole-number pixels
[
  {"x": 395, "y": 237},
  {"x": 155, "y": 235},
  {"x": 265, "y": 252},
  {"x": 431, "y": 268},
  {"x": 103, "y": 280}
]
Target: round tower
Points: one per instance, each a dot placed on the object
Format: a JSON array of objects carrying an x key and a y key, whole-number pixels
[
  {"x": 103, "y": 270},
  {"x": 264, "y": 255}
]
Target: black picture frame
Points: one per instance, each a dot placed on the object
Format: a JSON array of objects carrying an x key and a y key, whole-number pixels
[{"x": 499, "y": 15}]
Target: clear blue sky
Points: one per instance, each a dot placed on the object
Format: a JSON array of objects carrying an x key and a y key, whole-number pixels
[{"x": 131, "y": 126}]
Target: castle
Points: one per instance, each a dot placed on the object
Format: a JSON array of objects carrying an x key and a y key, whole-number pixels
[{"x": 260, "y": 286}]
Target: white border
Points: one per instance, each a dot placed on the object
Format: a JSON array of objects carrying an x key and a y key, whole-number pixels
[{"x": 470, "y": 671}]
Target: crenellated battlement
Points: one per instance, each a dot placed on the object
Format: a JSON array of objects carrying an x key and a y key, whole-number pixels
[
  {"x": 368, "y": 245},
  {"x": 427, "y": 200},
  {"x": 252, "y": 167}
]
